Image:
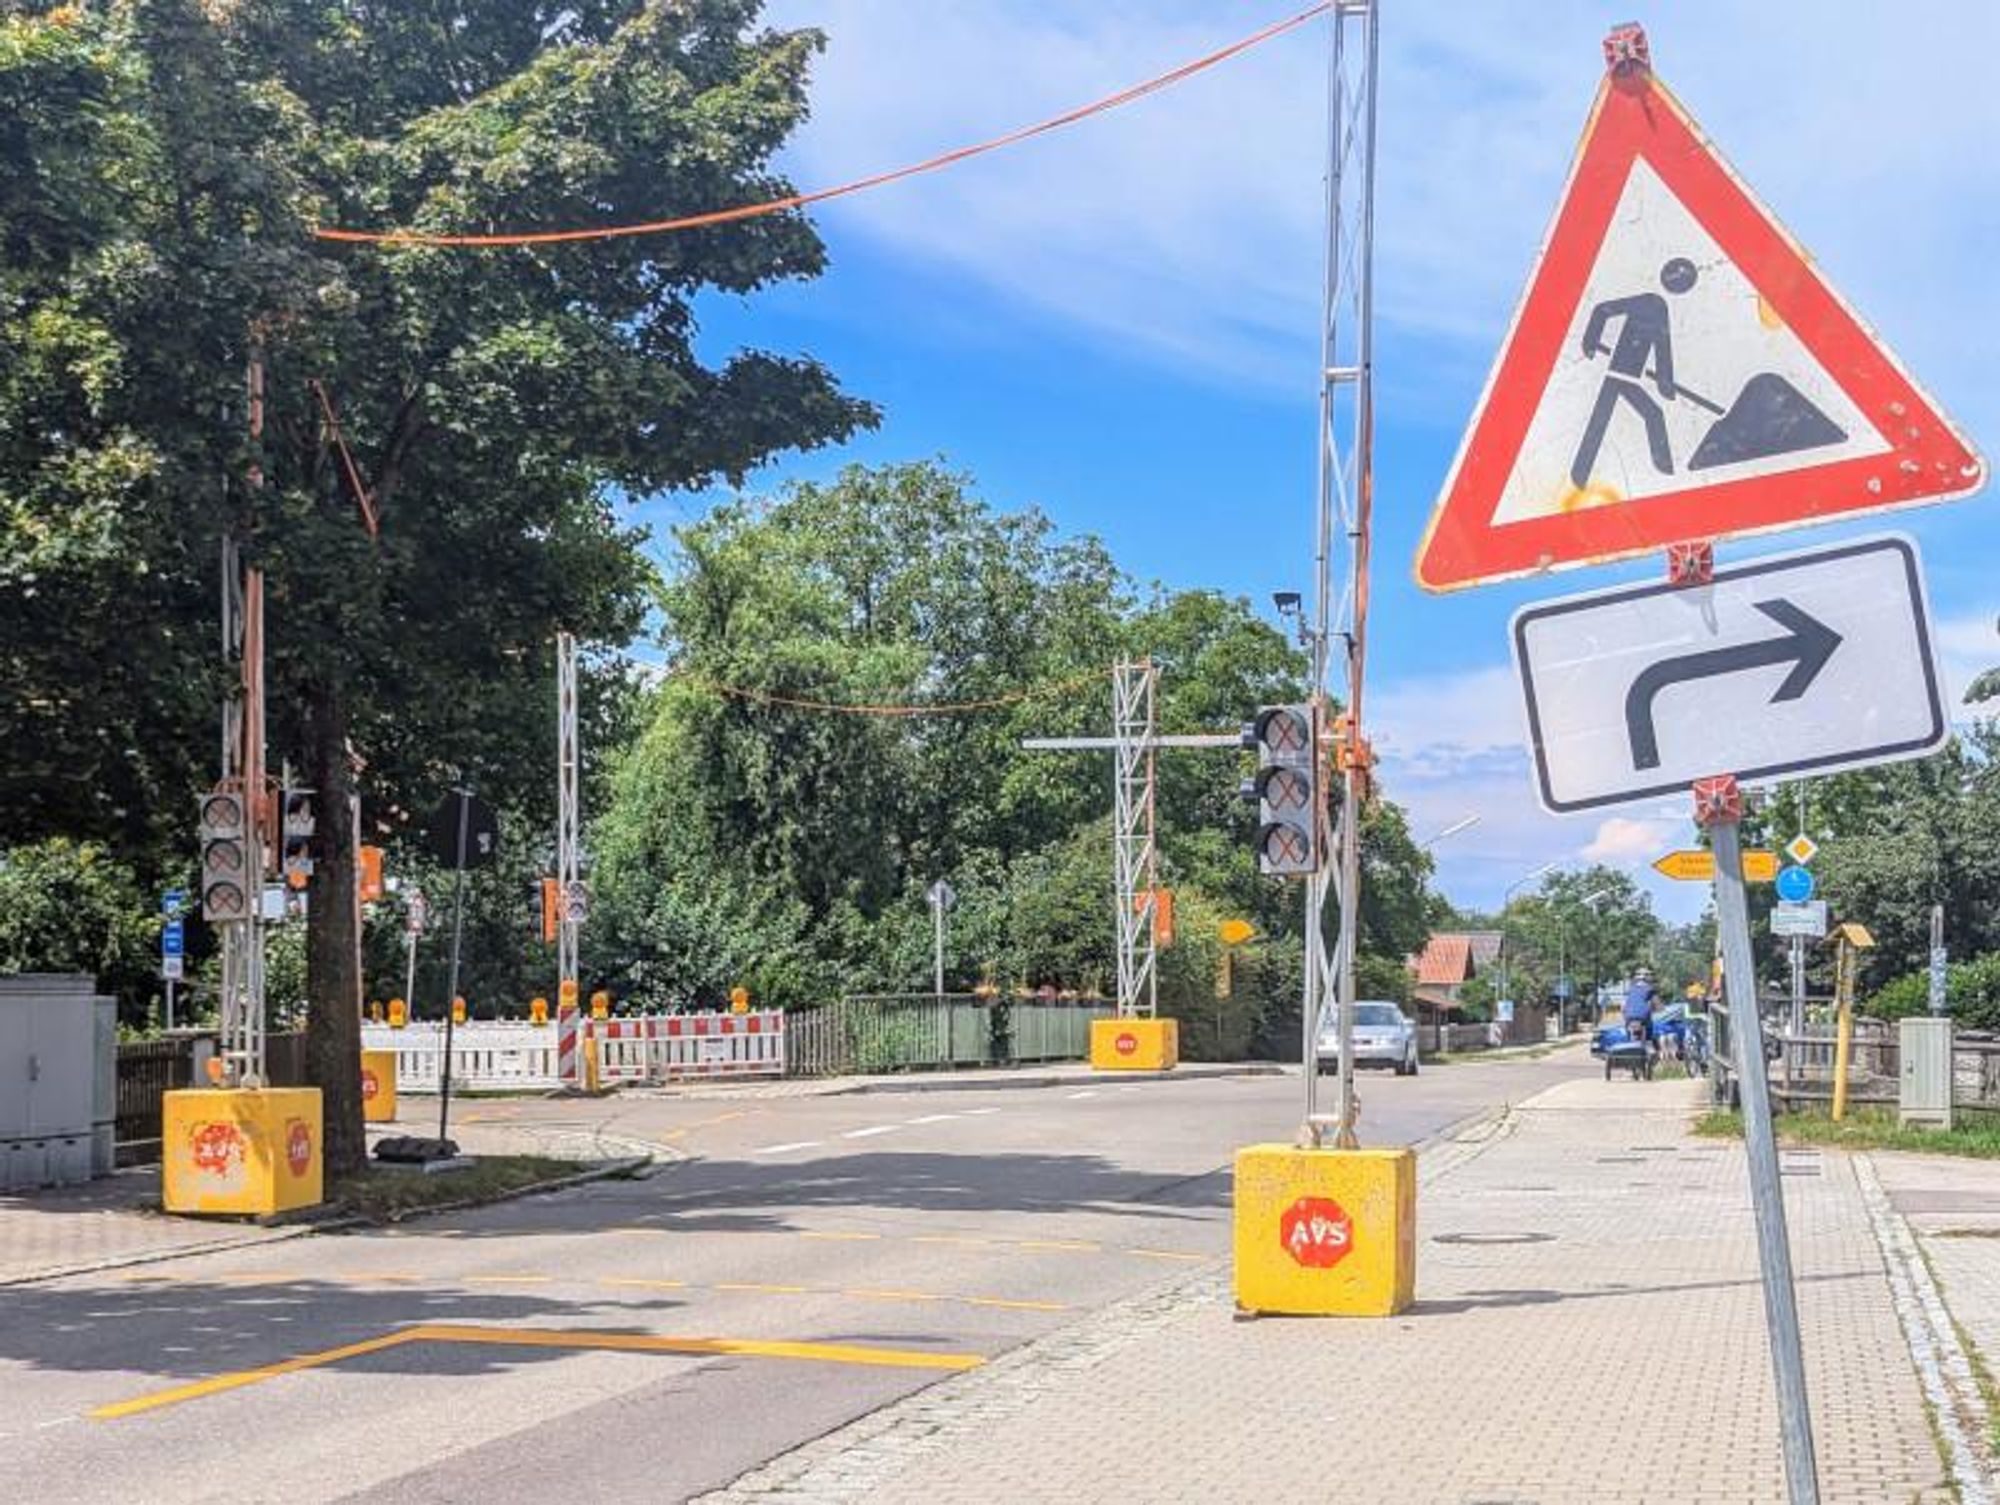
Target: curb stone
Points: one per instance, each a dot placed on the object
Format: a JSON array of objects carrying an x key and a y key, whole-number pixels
[{"x": 1944, "y": 1371}]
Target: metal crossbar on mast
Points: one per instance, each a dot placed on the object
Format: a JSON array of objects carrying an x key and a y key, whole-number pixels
[
  {"x": 1134, "y": 741},
  {"x": 1345, "y": 498}
]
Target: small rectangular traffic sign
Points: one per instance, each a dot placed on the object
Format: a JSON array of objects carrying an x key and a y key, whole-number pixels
[
  {"x": 173, "y": 939},
  {"x": 173, "y": 968},
  {"x": 174, "y": 903},
  {"x": 1795, "y": 663},
  {"x": 1695, "y": 865},
  {"x": 1808, "y": 918}
]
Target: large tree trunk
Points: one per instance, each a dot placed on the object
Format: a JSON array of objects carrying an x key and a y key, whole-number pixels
[{"x": 333, "y": 939}]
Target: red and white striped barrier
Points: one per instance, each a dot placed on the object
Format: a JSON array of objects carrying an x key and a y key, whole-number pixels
[
  {"x": 717, "y": 1045},
  {"x": 637, "y": 1050}
]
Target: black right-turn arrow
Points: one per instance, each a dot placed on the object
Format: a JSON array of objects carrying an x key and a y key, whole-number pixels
[{"x": 1807, "y": 644}]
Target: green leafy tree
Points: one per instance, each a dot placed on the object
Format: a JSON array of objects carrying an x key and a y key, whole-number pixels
[
  {"x": 72, "y": 907},
  {"x": 495, "y": 404}
]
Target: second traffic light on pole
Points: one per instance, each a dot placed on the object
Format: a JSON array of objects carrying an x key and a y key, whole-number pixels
[{"x": 1286, "y": 790}]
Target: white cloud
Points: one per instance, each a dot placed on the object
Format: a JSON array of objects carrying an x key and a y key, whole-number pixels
[
  {"x": 1621, "y": 840},
  {"x": 1186, "y": 228}
]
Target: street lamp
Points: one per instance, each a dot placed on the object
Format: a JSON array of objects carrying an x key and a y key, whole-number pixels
[{"x": 1462, "y": 823}]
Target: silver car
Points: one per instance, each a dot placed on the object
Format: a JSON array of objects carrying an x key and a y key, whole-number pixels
[{"x": 1383, "y": 1036}]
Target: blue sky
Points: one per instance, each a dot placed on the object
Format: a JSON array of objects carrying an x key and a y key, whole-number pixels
[{"x": 1116, "y": 323}]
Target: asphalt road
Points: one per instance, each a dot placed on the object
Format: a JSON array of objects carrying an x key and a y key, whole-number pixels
[{"x": 812, "y": 1259}]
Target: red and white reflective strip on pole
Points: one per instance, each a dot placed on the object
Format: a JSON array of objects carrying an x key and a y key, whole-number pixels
[{"x": 569, "y": 1046}]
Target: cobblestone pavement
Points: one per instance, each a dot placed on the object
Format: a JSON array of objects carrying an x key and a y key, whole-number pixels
[{"x": 1589, "y": 1328}]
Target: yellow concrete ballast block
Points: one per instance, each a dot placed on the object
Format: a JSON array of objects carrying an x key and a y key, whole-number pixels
[
  {"x": 378, "y": 1086},
  {"x": 1325, "y": 1232},
  {"x": 246, "y": 1151},
  {"x": 1135, "y": 1044}
]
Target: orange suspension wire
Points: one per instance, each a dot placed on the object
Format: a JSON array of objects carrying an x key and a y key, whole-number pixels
[
  {"x": 821, "y": 195},
  {"x": 846, "y": 708}
]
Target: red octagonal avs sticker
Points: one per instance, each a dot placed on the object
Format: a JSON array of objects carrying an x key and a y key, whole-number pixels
[
  {"x": 1316, "y": 1232},
  {"x": 298, "y": 1146},
  {"x": 1126, "y": 1043},
  {"x": 369, "y": 1086}
]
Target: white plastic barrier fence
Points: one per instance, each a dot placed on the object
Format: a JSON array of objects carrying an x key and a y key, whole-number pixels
[
  {"x": 485, "y": 1054},
  {"x": 649, "y": 1048}
]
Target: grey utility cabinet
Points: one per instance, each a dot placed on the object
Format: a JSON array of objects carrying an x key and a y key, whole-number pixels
[{"x": 58, "y": 1081}]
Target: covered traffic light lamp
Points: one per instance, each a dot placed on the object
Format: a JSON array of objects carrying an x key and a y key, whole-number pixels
[
  {"x": 1285, "y": 789},
  {"x": 295, "y": 838},
  {"x": 226, "y": 879}
]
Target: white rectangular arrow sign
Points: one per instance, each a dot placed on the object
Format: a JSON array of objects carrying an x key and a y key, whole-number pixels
[{"x": 1795, "y": 663}]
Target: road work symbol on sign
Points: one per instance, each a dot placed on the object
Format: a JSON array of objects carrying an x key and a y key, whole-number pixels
[
  {"x": 1770, "y": 416},
  {"x": 1317, "y": 1232},
  {"x": 1796, "y": 663},
  {"x": 1677, "y": 371}
]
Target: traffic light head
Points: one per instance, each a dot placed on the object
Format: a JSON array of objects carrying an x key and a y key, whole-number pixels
[
  {"x": 295, "y": 837},
  {"x": 227, "y": 882},
  {"x": 1285, "y": 789}
]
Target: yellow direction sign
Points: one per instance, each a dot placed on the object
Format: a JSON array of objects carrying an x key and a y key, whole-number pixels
[
  {"x": 1695, "y": 866},
  {"x": 1236, "y": 932}
]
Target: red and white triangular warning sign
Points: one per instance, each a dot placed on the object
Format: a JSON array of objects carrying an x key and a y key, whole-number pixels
[{"x": 1677, "y": 371}]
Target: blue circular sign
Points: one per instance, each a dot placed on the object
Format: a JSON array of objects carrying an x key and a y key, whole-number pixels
[{"x": 1795, "y": 885}]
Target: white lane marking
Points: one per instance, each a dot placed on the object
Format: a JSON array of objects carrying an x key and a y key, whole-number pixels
[
  {"x": 976, "y": 1112},
  {"x": 1087, "y": 1092},
  {"x": 786, "y": 1149},
  {"x": 872, "y": 1130},
  {"x": 933, "y": 1118}
]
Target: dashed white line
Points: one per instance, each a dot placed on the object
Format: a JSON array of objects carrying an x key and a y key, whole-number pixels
[
  {"x": 786, "y": 1149},
  {"x": 1087, "y": 1092},
  {"x": 873, "y": 1129},
  {"x": 978, "y": 1112},
  {"x": 933, "y": 1118}
]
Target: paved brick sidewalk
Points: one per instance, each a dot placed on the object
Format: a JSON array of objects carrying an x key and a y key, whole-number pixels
[
  {"x": 1589, "y": 1330},
  {"x": 111, "y": 1221}
]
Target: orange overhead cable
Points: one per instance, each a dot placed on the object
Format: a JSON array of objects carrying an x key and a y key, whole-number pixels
[
  {"x": 820, "y": 195},
  {"x": 849, "y": 708}
]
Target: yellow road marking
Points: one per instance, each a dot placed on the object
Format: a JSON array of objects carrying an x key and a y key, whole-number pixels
[
  {"x": 1060, "y": 1244},
  {"x": 752, "y": 1285},
  {"x": 650, "y": 1285},
  {"x": 1016, "y": 1306},
  {"x": 897, "y": 1295},
  {"x": 704, "y": 1123},
  {"x": 1167, "y": 1254},
  {"x": 947, "y": 1238},
  {"x": 583, "y": 1339},
  {"x": 841, "y": 1237},
  {"x": 364, "y": 1277},
  {"x": 825, "y": 1353},
  {"x": 217, "y": 1384}
]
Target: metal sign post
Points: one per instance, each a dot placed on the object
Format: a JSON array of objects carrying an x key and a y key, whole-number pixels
[
  {"x": 1718, "y": 804},
  {"x": 467, "y": 834},
  {"x": 942, "y": 897}
]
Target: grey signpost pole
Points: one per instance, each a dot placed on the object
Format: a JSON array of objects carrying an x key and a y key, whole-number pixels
[{"x": 1767, "y": 1198}]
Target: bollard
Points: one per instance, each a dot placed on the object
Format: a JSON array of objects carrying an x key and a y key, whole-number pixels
[
  {"x": 1133, "y": 1043},
  {"x": 241, "y": 1151}
]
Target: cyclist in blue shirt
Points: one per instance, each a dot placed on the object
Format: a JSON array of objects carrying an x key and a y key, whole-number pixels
[{"x": 1639, "y": 1001}]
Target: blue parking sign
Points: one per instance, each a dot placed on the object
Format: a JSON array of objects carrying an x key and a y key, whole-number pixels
[{"x": 173, "y": 939}]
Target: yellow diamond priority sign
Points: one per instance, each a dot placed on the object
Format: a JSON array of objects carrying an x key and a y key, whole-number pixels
[{"x": 1802, "y": 849}]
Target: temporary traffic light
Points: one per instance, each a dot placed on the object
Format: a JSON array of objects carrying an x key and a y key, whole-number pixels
[
  {"x": 226, "y": 880},
  {"x": 295, "y": 838},
  {"x": 1286, "y": 789}
]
